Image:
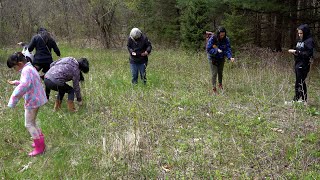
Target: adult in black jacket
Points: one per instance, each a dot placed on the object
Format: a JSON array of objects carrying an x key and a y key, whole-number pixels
[
  {"x": 303, "y": 52},
  {"x": 43, "y": 43},
  {"x": 139, "y": 48}
]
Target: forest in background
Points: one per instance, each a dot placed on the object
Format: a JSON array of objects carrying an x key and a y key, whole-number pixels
[
  {"x": 173, "y": 128},
  {"x": 168, "y": 23}
]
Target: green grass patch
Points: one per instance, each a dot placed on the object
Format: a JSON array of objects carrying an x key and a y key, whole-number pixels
[{"x": 173, "y": 127}]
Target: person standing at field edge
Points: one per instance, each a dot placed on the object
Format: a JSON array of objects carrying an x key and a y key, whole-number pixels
[
  {"x": 218, "y": 47},
  {"x": 29, "y": 86},
  {"x": 303, "y": 52},
  {"x": 139, "y": 48}
]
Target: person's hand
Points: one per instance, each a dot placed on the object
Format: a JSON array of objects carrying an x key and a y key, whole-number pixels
[
  {"x": 219, "y": 51},
  {"x": 20, "y": 43},
  {"x": 292, "y": 51},
  {"x": 133, "y": 53},
  {"x": 11, "y": 82},
  {"x": 144, "y": 53},
  {"x": 232, "y": 59}
]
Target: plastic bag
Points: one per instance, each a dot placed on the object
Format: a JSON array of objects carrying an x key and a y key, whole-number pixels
[{"x": 28, "y": 54}]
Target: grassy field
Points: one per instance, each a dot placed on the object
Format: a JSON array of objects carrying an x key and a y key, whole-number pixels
[{"x": 172, "y": 128}]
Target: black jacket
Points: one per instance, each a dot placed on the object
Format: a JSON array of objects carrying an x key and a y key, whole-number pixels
[
  {"x": 304, "y": 46},
  {"x": 139, "y": 46},
  {"x": 43, "y": 50}
]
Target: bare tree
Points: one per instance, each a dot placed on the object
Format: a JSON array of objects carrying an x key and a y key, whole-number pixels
[{"x": 103, "y": 13}]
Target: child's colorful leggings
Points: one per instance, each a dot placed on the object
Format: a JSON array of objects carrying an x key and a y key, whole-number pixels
[{"x": 30, "y": 116}]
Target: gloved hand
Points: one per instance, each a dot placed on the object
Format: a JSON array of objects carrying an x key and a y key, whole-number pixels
[
  {"x": 21, "y": 43},
  {"x": 292, "y": 51},
  {"x": 219, "y": 51}
]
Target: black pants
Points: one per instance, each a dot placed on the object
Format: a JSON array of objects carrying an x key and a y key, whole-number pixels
[
  {"x": 301, "y": 69},
  {"x": 45, "y": 68},
  {"x": 62, "y": 89}
]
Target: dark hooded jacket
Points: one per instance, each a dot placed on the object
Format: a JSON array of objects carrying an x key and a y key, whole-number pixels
[
  {"x": 305, "y": 46},
  {"x": 223, "y": 44},
  {"x": 139, "y": 46},
  {"x": 43, "y": 44}
]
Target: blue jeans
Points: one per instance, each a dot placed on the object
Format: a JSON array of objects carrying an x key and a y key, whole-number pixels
[{"x": 135, "y": 70}]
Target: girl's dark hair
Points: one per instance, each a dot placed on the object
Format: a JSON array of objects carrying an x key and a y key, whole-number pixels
[
  {"x": 15, "y": 58},
  {"x": 83, "y": 65}
]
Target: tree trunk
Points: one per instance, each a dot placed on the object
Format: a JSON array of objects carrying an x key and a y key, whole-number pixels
[
  {"x": 257, "y": 36},
  {"x": 278, "y": 32},
  {"x": 270, "y": 31},
  {"x": 66, "y": 19},
  {"x": 104, "y": 16},
  {"x": 293, "y": 22},
  {"x": 1, "y": 24}
]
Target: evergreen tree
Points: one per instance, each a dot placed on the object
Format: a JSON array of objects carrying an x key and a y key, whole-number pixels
[
  {"x": 238, "y": 30},
  {"x": 158, "y": 18},
  {"x": 194, "y": 23},
  {"x": 166, "y": 22}
]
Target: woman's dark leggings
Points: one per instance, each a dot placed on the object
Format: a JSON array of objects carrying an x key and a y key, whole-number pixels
[
  {"x": 62, "y": 89},
  {"x": 301, "y": 70}
]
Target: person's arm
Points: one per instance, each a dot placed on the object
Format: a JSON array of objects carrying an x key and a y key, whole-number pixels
[
  {"x": 307, "y": 51},
  {"x": 148, "y": 44},
  {"x": 21, "y": 89},
  {"x": 293, "y": 51},
  {"x": 228, "y": 51},
  {"x": 211, "y": 48},
  {"x": 32, "y": 44},
  {"x": 55, "y": 48},
  {"x": 76, "y": 85},
  {"x": 129, "y": 44}
]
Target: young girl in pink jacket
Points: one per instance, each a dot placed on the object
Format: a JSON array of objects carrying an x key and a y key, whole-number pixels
[{"x": 31, "y": 89}]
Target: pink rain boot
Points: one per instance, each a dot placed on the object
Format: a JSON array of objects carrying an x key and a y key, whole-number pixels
[
  {"x": 39, "y": 147},
  {"x": 41, "y": 136}
]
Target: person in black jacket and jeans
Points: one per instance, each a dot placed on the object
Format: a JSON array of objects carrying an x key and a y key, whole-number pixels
[
  {"x": 303, "y": 52},
  {"x": 43, "y": 43},
  {"x": 139, "y": 48}
]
